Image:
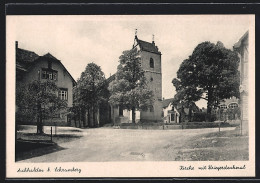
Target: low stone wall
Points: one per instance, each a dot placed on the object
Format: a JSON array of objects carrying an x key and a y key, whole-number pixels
[
  {"x": 188, "y": 125},
  {"x": 45, "y": 123}
]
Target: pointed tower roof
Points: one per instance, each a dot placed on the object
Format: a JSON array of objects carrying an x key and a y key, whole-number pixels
[{"x": 146, "y": 46}]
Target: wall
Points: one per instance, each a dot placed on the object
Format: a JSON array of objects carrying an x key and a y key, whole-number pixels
[
  {"x": 64, "y": 80},
  {"x": 155, "y": 85}
]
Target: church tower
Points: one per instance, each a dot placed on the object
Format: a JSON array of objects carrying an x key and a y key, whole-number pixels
[{"x": 151, "y": 64}]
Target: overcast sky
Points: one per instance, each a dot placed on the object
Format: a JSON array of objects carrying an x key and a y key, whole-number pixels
[{"x": 79, "y": 40}]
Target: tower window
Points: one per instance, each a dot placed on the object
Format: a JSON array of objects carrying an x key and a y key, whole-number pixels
[{"x": 151, "y": 63}]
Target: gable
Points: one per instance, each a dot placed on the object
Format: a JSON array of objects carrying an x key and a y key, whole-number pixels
[{"x": 49, "y": 57}]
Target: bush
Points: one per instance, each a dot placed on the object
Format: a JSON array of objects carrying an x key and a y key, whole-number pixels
[
  {"x": 203, "y": 116},
  {"x": 199, "y": 116}
]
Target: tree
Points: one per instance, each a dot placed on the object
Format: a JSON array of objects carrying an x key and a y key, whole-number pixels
[
  {"x": 38, "y": 100},
  {"x": 90, "y": 91},
  {"x": 129, "y": 90},
  {"x": 210, "y": 73}
]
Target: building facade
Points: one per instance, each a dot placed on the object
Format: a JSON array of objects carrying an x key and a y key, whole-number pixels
[
  {"x": 152, "y": 66},
  {"x": 242, "y": 49},
  {"x": 170, "y": 113},
  {"x": 30, "y": 67}
]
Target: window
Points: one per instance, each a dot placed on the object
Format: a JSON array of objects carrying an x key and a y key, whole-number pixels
[
  {"x": 63, "y": 94},
  {"x": 121, "y": 113},
  {"x": 223, "y": 106},
  {"x": 233, "y": 105},
  {"x": 151, "y": 109},
  {"x": 151, "y": 79},
  {"x": 49, "y": 74},
  {"x": 172, "y": 116},
  {"x": 44, "y": 74},
  {"x": 151, "y": 63}
]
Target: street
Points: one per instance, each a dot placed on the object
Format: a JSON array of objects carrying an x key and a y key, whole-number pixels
[{"x": 106, "y": 144}]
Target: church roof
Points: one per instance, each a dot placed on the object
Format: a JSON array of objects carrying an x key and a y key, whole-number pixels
[
  {"x": 111, "y": 78},
  {"x": 146, "y": 46}
]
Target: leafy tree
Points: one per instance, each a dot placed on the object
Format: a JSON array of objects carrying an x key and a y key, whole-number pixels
[
  {"x": 129, "y": 90},
  {"x": 38, "y": 100},
  {"x": 90, "y": 91},
  {"x": 210, "y": 73}
]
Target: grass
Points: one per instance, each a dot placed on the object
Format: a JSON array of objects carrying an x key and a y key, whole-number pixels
[{"x": 219, "y": 146}]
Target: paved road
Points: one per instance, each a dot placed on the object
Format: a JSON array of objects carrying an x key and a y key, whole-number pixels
[{"x": 105, "y": 144}]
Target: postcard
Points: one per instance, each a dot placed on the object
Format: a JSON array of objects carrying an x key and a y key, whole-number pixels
[{"x": 130, "y": 96}]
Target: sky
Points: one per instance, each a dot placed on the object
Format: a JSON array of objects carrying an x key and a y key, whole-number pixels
[{"x": 79, "y": 40}]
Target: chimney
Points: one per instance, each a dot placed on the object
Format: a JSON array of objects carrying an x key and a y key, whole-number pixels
[
  {"x": 153, "y": 40},
  {"x": 16, "y": 44}
]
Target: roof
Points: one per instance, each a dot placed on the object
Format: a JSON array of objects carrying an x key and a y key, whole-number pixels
[
  {"x": 244, "y": 37},
  {"x": 146, "y": 46},
  {"x": 26, "y": 58},
  {"x": 229, "y": 101},
  {"x": 25, "y": 55},
  {"x": 111, "y": 78},
  {"x": 166, "y": 102},
  {"x": 48, "y": 55},
  {"x": 20, "y": 67}
]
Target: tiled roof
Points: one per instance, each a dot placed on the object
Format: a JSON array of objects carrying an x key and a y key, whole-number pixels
[
  {"x": 146, "y": 46},
  {"x": 111, "y": 78},
  {"x": 20, "y": 67},
  {"x": 166, "y": 102},
  {"x": 48, "y": 55},
  {"x": 25, "y": 56},
  {"x": 25, "y": 59},
  {"x": 229, "y": 101}
]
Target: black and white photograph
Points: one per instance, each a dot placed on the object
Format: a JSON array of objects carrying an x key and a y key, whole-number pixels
[{"x": 146, "y": 95}]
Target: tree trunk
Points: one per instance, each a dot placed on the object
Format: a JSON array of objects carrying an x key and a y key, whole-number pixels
[
  {"x": 209, "y": 106},
  {"x": 88, "y": 116},
  {"x": 39, "y": 119},
  {"x": 190, "y": 111},
  {"x": 133, "y": 114},
  {"x": 84, "y": 117},
  {"x": 94, "y": 116},
  {"x": 80, "y": 118}
]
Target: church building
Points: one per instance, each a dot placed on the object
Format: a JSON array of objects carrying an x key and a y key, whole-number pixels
[{"x": 151, "y": 64}]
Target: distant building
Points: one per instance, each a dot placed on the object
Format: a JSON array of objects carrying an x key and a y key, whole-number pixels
[
  {"x": 232, "y": 103},
  {"x": 30, "y": 67},
  {"x": 170, "y": 113},
  {"x": 151, "y": 64},
  {"x": 242, "y": 49}
]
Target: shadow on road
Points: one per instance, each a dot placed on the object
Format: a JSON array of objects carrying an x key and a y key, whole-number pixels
[{"x": 26, "y": 149}]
